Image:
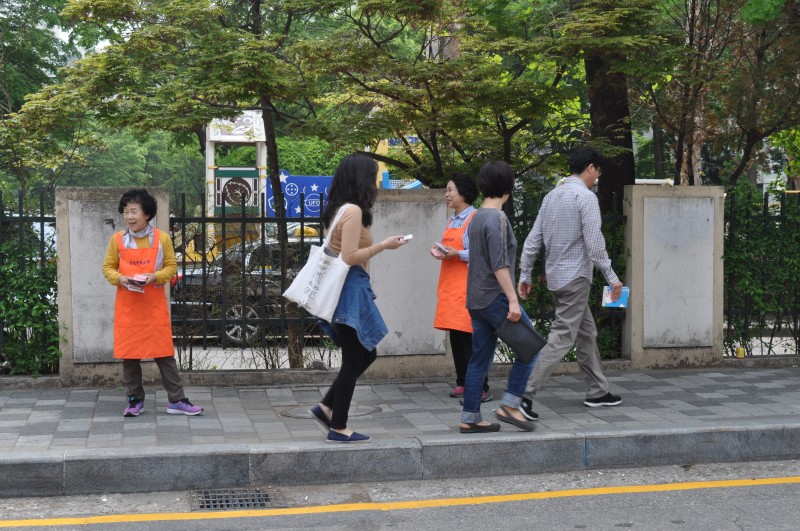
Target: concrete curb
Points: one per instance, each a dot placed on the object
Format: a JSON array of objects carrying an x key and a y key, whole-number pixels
[{"x": 88, "y": 471}]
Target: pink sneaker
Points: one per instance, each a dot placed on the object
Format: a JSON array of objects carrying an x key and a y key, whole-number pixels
[
  {"x": 183, "y": 407},
  {"x": 457, "y": 391},
  {"x": 135, "y": 406}
]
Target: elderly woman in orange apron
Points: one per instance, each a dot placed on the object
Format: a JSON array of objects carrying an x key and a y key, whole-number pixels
[
  {"x": 140, "y": 261},
  {"x": 453, "y": 251}
]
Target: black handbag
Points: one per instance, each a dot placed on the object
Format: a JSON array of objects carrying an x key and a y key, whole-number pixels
[{"x": 522, "y": 338}]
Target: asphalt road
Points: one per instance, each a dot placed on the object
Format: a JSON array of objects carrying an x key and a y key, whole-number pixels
[{"x": 761, "y": 496}]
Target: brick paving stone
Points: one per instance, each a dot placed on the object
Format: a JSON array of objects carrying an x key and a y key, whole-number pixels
[
  {"x": 39, "y": 429},
  {"x": 61, "y": 418},
  {"x": 34, "y": 440},
  {"x": 208, "y": 440},
  {"x": 68, "y": 441}
]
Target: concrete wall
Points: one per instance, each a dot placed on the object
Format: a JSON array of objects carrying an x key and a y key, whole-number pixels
[
  {"x": 405, "y": 279},
  {"x": 674, "y": 268}
]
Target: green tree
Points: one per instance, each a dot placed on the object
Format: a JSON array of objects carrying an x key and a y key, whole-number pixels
[
  {"x": 459, "y": 81},
  {"x": 789, "y": 141},
  {"x": 31, "y": 52},
  {"x": 299, "y": 156},
  {"x": 35, "y": 42},
  {"x": 733, "y": 83}
]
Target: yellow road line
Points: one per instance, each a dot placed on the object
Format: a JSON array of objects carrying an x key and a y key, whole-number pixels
[{"x": 399, "y": 506}]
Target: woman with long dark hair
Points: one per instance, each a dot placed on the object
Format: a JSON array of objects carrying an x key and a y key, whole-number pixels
[{"x": 356, "y": 326}]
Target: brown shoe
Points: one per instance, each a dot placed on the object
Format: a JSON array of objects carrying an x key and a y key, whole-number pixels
[
  {"x": 480, "y": 428},
  {"x": 506, "y": 416}
]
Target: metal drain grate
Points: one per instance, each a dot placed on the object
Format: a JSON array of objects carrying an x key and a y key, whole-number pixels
[{"x": 228, "y": 499}]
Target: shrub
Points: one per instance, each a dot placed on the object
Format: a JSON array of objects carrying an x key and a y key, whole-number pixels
[{"x": 28, "y": 305}]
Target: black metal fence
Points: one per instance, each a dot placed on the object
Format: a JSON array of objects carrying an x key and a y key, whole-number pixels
[
  {"x": 29, "y": 328},
  {"x": 226, "y": 301},
  {"x": 232, "y": 269},
  {"x": 762, "y": 273}
]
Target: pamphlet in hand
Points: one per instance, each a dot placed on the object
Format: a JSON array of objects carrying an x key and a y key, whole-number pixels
[
  {"x": 136, "y": 283},
  {"x": 622, "y": 302}
]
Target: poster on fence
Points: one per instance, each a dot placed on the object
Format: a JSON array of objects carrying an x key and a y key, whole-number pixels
[{"x": 313, "y": 189}]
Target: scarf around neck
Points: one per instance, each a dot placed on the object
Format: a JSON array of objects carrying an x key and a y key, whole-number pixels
[{"x": 129, "y": 242}]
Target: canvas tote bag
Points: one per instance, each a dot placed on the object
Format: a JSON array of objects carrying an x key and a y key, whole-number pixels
[{"x": 318, "y": 285}]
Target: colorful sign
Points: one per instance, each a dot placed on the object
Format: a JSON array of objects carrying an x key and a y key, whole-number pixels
[
  {"x": 234, "y": 186},
  {"x": 313, "y": 189},
  {"x": 246, "y": 128}
]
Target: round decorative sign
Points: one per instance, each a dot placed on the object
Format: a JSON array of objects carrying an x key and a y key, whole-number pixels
[{"x": 235, "y": 190}]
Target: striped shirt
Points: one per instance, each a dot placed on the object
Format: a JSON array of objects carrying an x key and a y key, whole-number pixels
[
  {"x": 456, "y": 221},
  {"x": 568, "y": 225}
]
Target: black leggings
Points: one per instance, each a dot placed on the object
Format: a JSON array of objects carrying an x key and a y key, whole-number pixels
[
  {"x": 461, "y": 345},
  {"x": 355, "y": 360}
]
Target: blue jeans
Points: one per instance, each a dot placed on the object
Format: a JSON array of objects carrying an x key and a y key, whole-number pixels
[{"x": 485, "y": 322}]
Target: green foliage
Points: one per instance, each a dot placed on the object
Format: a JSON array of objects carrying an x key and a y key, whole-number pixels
[
  {"x": 762, "y": 265},
  {"x": 789, "y": 141},
  {"x": 28, "y": 305},
  {"x": 299, "y": 156},
  {"x": 31, "y": 51},
  {"x": 762, "y": 11},
  {"x": 158, "y": 158},
  {"x": 476, "y": 82},
  {"x": 729, "y": 81}
]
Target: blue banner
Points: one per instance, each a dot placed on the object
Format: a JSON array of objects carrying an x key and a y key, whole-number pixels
[{"x": 314, "y": 189}]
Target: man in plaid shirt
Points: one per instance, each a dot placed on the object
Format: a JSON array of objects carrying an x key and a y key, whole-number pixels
[{"x": 568, "y": 225}]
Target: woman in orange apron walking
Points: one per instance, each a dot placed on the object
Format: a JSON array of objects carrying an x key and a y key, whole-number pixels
[
  {"x": 451, "y": 309},
  {"x": 140, "y": 261}
]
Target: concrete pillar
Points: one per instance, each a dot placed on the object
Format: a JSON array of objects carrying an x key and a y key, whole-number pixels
[
  {"x": 211, "y": 167},
  {"x": 261, "y": 166},
  {"x": 405, "y": 279},
  {"x": 86, "y": 218},
  {"x": 674, "y": 268}
]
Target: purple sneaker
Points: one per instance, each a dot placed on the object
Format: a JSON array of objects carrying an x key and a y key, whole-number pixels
[
  {"x": 183, "y": 407},
  {"x": 135, "y": 406}
]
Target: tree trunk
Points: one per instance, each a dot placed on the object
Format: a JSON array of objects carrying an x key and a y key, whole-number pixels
[
  {"x": 294, "y": 330},
  {"x": 658, "y": 150},
  {"x": 611, "y": 120}
]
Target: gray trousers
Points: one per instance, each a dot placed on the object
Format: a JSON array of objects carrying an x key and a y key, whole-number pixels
[
  {"x": 573, "y": 325},
  {"x": 170, "y": 378}
]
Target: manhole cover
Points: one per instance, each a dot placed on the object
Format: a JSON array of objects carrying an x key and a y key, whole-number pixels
[
  {"x": 355, "y": 411},
  {"x": 228, "y": 499}
]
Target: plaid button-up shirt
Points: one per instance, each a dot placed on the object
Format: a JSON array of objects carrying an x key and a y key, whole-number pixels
[{"x": 568, "y": 225}]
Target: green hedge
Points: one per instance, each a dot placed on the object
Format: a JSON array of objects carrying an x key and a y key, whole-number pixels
[
  {"x": 28, "y": 304},
  {"x": 762, "y": 271}
]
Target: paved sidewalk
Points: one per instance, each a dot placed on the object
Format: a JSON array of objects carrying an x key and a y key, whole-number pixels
[{"x": 72, "y": 441}]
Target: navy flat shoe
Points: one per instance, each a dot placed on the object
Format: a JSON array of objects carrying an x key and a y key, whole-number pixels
[
  {"x": 319, "y": 416},
  {"x": 355, "y": 437}
]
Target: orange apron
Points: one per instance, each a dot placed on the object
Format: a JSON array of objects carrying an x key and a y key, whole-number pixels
[
  {"x": 142, "y": 327},
  {"x": 451, "y": 309}
]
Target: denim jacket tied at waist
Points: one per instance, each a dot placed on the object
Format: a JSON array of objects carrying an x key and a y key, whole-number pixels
[{"x": 357, "y": 309}]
